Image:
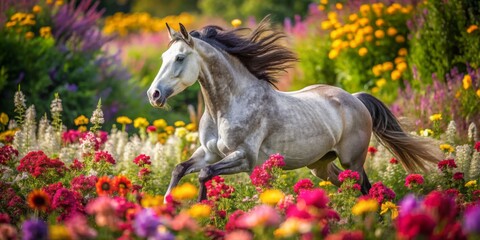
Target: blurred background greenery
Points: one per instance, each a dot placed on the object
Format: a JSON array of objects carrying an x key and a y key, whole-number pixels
[{"x": 420, "y": 57}]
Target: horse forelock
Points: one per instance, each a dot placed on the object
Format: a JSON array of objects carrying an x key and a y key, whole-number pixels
[{"x": 258, "y": 49}]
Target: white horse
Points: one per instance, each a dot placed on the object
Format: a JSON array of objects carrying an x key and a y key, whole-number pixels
[{"x": 246, "y": 119}]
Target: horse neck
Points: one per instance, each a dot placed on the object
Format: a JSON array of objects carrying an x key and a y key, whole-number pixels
[{"x": 222, "y": 79}]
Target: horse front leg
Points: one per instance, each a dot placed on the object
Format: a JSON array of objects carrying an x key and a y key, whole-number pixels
[
  {"x": 197, "y": 161},
  {"x": 235, "y": 162}
]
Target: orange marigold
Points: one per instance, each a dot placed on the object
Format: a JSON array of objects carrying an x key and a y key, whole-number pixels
[{"x": 105, "y": 186}]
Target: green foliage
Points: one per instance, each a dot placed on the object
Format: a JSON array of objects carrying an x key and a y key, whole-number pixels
[
  {"x": 278, "y": 9},
  {"x": 442, "y": 41}
]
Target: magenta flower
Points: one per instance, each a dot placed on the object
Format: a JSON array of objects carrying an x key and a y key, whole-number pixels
[
  {"x": 262, "y": 215},
  {"x": 260, "y": 177},
  {"x": 348, "y": 174},
  {"x": 104, "y": 156},
  {"x": 303, "y": 184},
  {"x": 142, "y": 160},
  {"x": 447, "y": 164},
  {"x": 416, "y": 179},
  {"x": 380, "y": 192}
]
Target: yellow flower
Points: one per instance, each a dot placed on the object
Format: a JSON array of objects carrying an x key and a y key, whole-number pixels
[
  {"x": 332, "y": 16},
  {"x": 179, "y": 124},
  {"x": 365, "y": 206},
  {"x": 81, "y": 120},
  {"x": 124, "y": 120},
  {"x": 478, "y": 93},
  {"x": 391, "y": 10},
  {"x": 29, "y": 20},
  {"x": 325, "y": 184},
  {"x": 326, "y": 25},
  {"x": 191, "y": 137},
  {"x": 436, "y": 117},
  {"x": 362, "y": 51},
  {"x": 402, "y": 66},
  {"x": 375, "y": 90},
  {"x": 399, "y": 60},
  {"x": 377, "y": 70},
  {"x": 45, "y": 32},
  {"x": 36, "y": 9},
  {"x": 339, "y": 6},
  {"x": 200, "y": 210},
  {"x": 321, "y": 7},
  {"x": 151, "y": 201},
  {"x": 59, "y": 3},
  {"x": 59, "y": 232},
  {"x": 467, "y": 82},
  {"x": 447, "y": 148},
  {"x": 324, "y": 2},
  {"x": 363, "y": 21},
  {"x": 353, "y": 44},
  {"x": 7, "y": 135},
  {"x": 379, "y": 34},
  {"x": 4, "y": 118},
  {"x": 18, "y": 16},
  {"x": 191, "y": 127},
  {"x": 369, "y": 38},
  {"x": 389, "y": 206},
  {"x": 29, "y": 35},
  {"x": 387, "y": 66},
  {"x": 368, "y": 30},
  {"x": 381, "y": 82},
  {"x": 472, "y": 184},
  {"x": 380, "y": 22},
  {"x": 400, "y": 39},
  {"x": 271, "y": 196},
  {"x": 170, "y": 130},
  {"x": 333, "y": 54},
  {"x": 402, "y": 52},
  {"x": 184, "y": 192},
  {"x": 82, "y": 129},
  {"x": 140, "y": 122},
  {"x": 395, "y": 75},
  {"x": 181, "y": 132},
  {"x": 426, "y": 132},
  {"x": 236, "y": 22},
  {"x": 364, "y": 9},
  {"x": 160, "y": 123},
  {"x": 353, "y": 17},
  {"x": 292, "y": 226},
  {"x": 10, "y": 24},
  {"x": 391, "y": 31},
  {"x": 472, "y": 28}
]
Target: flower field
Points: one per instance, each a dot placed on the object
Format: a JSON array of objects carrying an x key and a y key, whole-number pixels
[{"x": 94, "y": 160}]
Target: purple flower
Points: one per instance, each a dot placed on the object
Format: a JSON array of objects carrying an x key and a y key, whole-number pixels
[
  {"x": 409, "y": 204},
  {"x": 472, "y": 220},
  {"x": 71, "y": 87},
  {"x": 146, "y": 223},
  {"x": 34, "y": 230}
]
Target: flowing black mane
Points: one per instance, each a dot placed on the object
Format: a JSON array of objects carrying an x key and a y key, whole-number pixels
[{"x": 259, "y": 50}]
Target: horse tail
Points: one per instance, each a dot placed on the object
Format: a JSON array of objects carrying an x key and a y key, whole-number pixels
[{"x": 412, "y": 151}]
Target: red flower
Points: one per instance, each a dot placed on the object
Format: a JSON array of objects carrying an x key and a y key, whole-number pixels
[
  {"x": 446, "y": 164},
  {"x": 413, "y": 179},
  {"x": 452, "y": 192},
  {"x": 302, "y": 184},
  {"x": 52, "y": 189},
  {"x": 69, "y": 202},
  {"x": 477, "y": 146},
  {"x": 442, "y": 206},
  {"x": 71, "y": 136},
  {"x": 104, "y": 186},
  {"x": 104, "y": 156},
  {"x": 84, "y": 184},
  {"x": 232, "y": 220},
  {"x": 144, "y": 172},
  {"x": 458, "y": 176},
  {"x": 7, "y": 153},
  {"x": 372, "y": 150},
  {"x": 151, "y": 128},
  {"x": 37, "y": 164},
  {"x": 142, "y": 159},
  {"x": 76, "y": 165},
  {"x": 393, "y": 161},
  {"x": 380, "y": 192},
  {"x": 414, "y": 225},
  {"x": 260, "y": 177},
  {"x": 217, "y": 189},
  {"x": 348, "y": 174}
]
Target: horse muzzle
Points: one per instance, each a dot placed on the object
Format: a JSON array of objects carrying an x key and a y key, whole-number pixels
[{"x": 158, "y": 96}]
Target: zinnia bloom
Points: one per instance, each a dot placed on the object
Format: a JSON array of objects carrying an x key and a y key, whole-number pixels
[
  {"x": 38, "y": 200},
  {"x": 142, "y": 159},
  {"x": 104, "y": 156},
  {"x": 302, "y": 184},
  {"x": 122, "y": 184},
  {"x": 446, "y": 164},
  {"x": 380, "y": 192},
  {"x": 105, "y": 186},
  {"x": 413, "y": 179},
  {"x": 414, "y": 226}
]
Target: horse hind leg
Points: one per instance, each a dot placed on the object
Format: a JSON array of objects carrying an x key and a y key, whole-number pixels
[{"x": 326, "y": 169}]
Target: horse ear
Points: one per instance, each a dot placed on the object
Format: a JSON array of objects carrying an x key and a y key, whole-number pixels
[
  {"x": 171, "y": 32},
  {"x": 185, "y": 35}
]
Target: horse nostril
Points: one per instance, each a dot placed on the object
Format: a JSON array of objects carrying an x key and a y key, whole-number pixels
[{"x": 156, "y": 94}]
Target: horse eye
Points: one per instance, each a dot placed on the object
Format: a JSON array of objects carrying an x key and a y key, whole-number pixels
[{"x": 180, "y": 58}]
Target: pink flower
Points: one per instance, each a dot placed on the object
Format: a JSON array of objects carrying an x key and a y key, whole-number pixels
[
  {"x": 104, "y": 156},
  {"x": 446, "y": 164},
  {"x": 316, "y": 197},
  {"x": 302, "y": 184},
  {"x": 104, "y": 209},
  {"x": 217, "y": 189},
  {"x": 380, "y": 192},
  {"x": 442, "y": 206},
  {"x": 414, "y": 225},
  {"x": 232, "y": 220},
  {"x": 144, "y": 172},
  {"x": 286, "y": 202},
  {"x": 84, "y": 184},
  {"x": 77, "y": 225},
  {"x": 348, "y": 174},
  {"x": 260, "y": 177},
  {"x": 76, "y": 165},
  {"x": 71, "y": 136},
  {"x": 151, "y": 128},
  {"x": 7, "y": 153},
  {"x": 345, "y": 234},
  {"x": 275, "y": 160},
  {"x": 69, "y": 202},
  {"x": 239, "y": 234},
  {"x": 262, "y": 215},
  {"x": 413, "y": 179},
  {"x": 477, "y": 146},
  {"x": 142, "y": 160}
]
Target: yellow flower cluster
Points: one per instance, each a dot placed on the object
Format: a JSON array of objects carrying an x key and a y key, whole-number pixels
[
  {"x": 271, "y": 196},
  {"x": 471, "y": 184},
  {"x": 364, "y": 32},
  {"x": 151, "y": 201},
  {"x": 365, "y": 206},
  {"x": 325, "y": 183},
  {"x": 123, "y": 23},
  {"x": 467, "y": 81},
  {"x": 81, "y": 120},
  {"x": 185, "y": 191},
  {"x": 447, "y": 148},
  {"x": 236, "y": 22},
  {"x": 292, "y": 226},
  {"x": 124, "y": 120},
  {"x": 22, "y": 22},
  {"x": 4, "y": 118},
  {"x": 389, "y": 207},
  {"x": 140, "y": 122},
  {"x": 199, "y": 210},
  {"x": 436, "y": 117}
]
